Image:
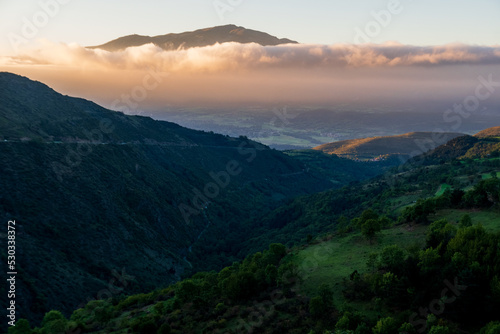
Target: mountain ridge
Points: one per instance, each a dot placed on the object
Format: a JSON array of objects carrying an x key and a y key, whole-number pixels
[{"x": 196, "y": 38}]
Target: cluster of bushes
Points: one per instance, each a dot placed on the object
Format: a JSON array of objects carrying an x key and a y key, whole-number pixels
[
  {"x": 455, "y": 278},
  {"x": 183, "y": 306},
  {"x": 484, "y": 195}
]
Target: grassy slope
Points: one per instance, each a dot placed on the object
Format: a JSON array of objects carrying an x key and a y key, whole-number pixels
[
  {"x": 335, "y": 259},
  {"x": 489, "y": 219},
  {"x": 332, "y": 259}
]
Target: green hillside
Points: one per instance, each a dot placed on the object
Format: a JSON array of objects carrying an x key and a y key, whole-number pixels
[
  {"x": 96, "y": 192},
  {"x": 340, "y": 282},
  {"x": 368, "y": 258}
]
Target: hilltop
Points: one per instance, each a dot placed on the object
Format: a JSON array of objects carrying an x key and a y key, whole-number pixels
[
  {"x": 490, "y": 132},
  {"x": 405, "y": 145}
]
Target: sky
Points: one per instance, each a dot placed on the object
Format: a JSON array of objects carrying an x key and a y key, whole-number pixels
[
  {"x": 351, "y": 50},
  {"x": 417, "y": 22}
]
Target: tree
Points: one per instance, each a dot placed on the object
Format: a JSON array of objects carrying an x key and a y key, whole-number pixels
[
  {"x": 321, "y": 305},
  {"x": 429, "y": 260},
  {"x": 385, "y": 326},
  {"x": 187, "y": 290},
  {"x": 288, "y": 274},
  {"x": 419, "y": 212},
  {"x": 343, "y": 323},
  {"x": 326, "y": 295},
  {"x": 407, "y": 329},
  {"x": 465, "y": 221},
  {"x": 239, "y": 285},
  {"x": 52, "y": 316},
  {"x": 439, "y": 330},
  {"x": 22, "y": 327},
  {"x": 392, "y": 258},
  {"x": 274, "y": 254},
  {"x": 53, "y": 322},
  {"x": 343, "y": 224},
  {"x": 54, "y": 327},
  {"x": 164, "y": 329},
  {"x": 271, "y": 274},
  {"x": 385, "y": 222},
  {"x": 147, "y": 327},
  {"x": 365, "y": 216},
  {"x": 491, "y": 328},
  {"x": 316, "y": 307},
  {"x": 456, "y": 197},
  {"x": 362, "y": 329},
  {"x": 439, "y": 232},
  {"x": 370, "y": 228}
]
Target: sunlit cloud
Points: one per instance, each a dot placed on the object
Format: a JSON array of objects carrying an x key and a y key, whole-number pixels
[
  {"x": 235, "y": 56},
  {"x": 234, "y": 73}
]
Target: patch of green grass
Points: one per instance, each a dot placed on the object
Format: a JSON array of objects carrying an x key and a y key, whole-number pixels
[
  {"x": 488, "y": 176},
  {"x": 331, "y": 261}
]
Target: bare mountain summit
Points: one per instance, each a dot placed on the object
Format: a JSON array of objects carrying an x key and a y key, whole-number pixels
[{"x": 197, "y": 38}]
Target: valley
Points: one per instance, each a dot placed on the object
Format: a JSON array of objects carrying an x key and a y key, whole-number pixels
[{"x": 294, "y": 127}]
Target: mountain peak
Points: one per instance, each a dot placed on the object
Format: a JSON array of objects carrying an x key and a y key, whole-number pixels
[{"x": 197, "y": 38}]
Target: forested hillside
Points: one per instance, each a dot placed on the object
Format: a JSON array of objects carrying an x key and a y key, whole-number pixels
[
  {"x": 423, "y": 273},
  {"x": 95, "y": 192},
  {"x": 129, "y": 225}
]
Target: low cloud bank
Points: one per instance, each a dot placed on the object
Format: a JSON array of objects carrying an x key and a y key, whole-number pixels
[
  {"x": 234, "y": 56},
  {"x": 251, "y": 73}
]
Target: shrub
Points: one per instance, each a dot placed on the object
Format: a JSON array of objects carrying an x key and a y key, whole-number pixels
[
  {"x": 385, "y": 326},
  {"x": 439, "y": 330},
  {"x": 22, "y": 327}
]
